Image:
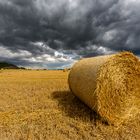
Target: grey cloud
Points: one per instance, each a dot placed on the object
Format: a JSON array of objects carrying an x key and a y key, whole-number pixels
[{"x": 76, "y": 28}]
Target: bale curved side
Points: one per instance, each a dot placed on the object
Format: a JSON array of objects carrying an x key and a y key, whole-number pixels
[{"x": 108, "y": 84}]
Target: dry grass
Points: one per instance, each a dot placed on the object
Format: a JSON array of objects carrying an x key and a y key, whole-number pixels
[{"x": 38, "y": 105}]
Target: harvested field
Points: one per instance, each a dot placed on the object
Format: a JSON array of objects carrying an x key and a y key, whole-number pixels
[{"x": 38, "y": 105}]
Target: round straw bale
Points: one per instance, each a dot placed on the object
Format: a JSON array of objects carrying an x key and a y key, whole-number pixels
[{"x": 110, "y": 85}]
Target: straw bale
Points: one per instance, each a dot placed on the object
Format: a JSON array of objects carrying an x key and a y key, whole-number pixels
[{"x": 110, "y": 85}]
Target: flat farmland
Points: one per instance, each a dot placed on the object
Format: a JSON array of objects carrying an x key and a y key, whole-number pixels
[{"x": 38, "y": 105}]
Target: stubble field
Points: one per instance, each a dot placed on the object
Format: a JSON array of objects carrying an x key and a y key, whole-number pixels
[{"x": 38, "y": 105}]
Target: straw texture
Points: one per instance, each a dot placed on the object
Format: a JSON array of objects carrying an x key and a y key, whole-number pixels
[{"x": 110, "y": 85}]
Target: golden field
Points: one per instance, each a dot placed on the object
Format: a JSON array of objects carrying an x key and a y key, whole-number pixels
[{"x": 38, "y": 105}]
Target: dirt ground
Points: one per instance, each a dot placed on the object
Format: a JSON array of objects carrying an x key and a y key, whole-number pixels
[{"x": 38, "y": 105}]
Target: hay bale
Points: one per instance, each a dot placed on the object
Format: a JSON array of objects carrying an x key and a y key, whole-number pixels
[
  {"x": 110, "y": 85},
  {"x": 65, "y": 70}
]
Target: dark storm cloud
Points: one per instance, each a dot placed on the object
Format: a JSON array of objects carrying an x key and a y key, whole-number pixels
[{"x": 49, "y": 33}]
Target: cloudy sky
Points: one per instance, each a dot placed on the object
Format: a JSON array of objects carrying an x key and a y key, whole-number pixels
[{"x": 56, "y": 33}]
